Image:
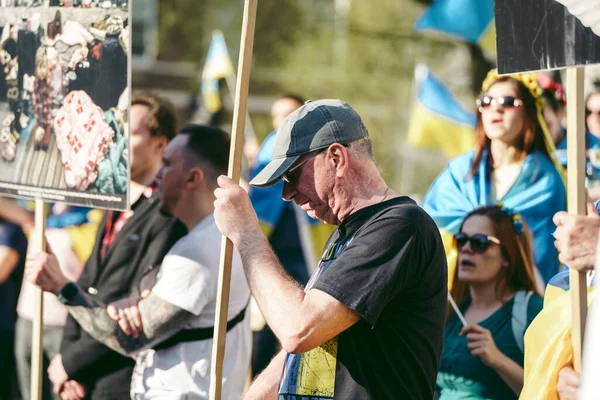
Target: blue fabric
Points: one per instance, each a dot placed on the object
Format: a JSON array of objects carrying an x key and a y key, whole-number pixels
[
  {"x": 72, "y": 216},
  {"x": 267, "y": 202},
  {"x": 537, "y": 194},
  {"x": 113, "y": 173},
  {"x": 437, "y": 98},
  {"x": 465, "y": 19},
  {"x": 591, "y": 142},
  {"x": 11, "y": 236}
]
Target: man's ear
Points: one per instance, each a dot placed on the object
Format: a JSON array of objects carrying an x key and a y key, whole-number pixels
[
  {"x": 339, "y": 156},
  {"x": 161, "y": 143},
  {"x": 195, "y": 178}
]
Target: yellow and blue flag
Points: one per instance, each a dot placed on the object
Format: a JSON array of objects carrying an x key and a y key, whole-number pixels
[
  {"x": 468, "y": 20},
  {"x": 218, "y": 66},
  {"x": 548, "y": 341},
  {"x": 438, "y": 119}
]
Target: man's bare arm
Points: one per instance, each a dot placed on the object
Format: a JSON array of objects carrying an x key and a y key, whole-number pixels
[
  {"x": 266, "y": 383},
  {"x": 160, "y": 319}
]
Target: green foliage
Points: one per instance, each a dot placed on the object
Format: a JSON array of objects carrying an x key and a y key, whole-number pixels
[{"x": 366, "y": 57}]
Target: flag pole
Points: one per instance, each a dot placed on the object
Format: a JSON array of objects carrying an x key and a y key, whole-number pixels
[
  {"x": 251, "y": 144},
  {"x": 234, "y": 172},
  {"x": 37, "y": 337},
  {"x": 576, "y": 201}
]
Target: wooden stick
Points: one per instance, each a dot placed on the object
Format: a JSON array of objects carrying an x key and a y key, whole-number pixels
[
  {"x": 37, "y": 348},
  {"x": 235, "y": 167},
  {"x": 251, "y": 144},
  {"x": 463, "y": 321},
  {"x": 576, "y": 201}
]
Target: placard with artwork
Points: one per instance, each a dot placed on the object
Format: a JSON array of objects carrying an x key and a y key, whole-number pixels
[{"x": 64, "y": 101}]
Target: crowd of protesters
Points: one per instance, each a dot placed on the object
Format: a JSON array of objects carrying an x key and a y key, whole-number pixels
[{"x": 402, "y": 302}]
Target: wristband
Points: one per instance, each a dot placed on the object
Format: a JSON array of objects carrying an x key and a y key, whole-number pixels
[{"x": 68, "y": 292}]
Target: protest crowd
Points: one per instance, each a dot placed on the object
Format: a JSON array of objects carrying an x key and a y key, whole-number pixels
[{"x": 459, "y": 297}]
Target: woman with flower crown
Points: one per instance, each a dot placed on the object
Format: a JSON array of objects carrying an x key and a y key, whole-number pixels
[
  {"x": 514, "y": 162},
  {"x": 496, "y": 300}
]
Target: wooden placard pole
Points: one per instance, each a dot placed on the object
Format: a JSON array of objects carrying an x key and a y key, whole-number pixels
[
  {"x": 251, "y": 144},
  {"x": 235, "y": 167},
  {"x": 576, "y": 200},
  {"x": 37, "y": 337}
]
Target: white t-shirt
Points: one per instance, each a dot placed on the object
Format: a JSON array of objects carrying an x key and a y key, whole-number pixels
[{"x": 188, "y": 278}]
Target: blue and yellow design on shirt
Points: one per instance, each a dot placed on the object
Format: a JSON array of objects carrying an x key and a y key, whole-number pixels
[{"x": 311, "y": 375}]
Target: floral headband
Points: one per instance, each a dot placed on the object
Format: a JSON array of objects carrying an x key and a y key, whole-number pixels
[
  {"x": 530, "y": 81},
  {"x": 555, "y": 89},
  {"x": 517, "y": 220}
]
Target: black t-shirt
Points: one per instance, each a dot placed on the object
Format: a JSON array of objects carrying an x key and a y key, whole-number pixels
[{"x": 387, "y": 263}]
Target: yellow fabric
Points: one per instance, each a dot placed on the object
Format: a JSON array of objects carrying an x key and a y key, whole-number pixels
[
  {"x": 317, "y": 370},
  {"x": 548, "y": 346},
  {"x": 487, "y": 41},
  {"x": 428, "y": 130},
  {"x": 451, "y": 255},
  {"x": 83, "y": 236},
  {"x": 212, "y": 101},
  {"x": 320, "y": 233},
  {"x": 218, "y": 66},
  {"x": 266, "y": 228}
]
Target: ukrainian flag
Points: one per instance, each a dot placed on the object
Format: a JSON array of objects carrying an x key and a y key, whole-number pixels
[
  {"x": 218, "y": 66},
  {"x": 548, "y": 341},
  {"x": 468, "y": 20},
  {"x": 438, "y": 119}
]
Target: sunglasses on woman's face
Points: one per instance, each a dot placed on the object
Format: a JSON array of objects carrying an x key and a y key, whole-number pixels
[
  {"x": 479, "y": 243},
  {"x": 504, "y": 101},
  {"x": 589, "y": 112}
]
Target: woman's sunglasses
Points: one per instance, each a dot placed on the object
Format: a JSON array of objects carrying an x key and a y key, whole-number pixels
[
  {"x": 504, "y": 101},
  {"x": 479, "y": 243},
  {"x": 589, "y": 112}
]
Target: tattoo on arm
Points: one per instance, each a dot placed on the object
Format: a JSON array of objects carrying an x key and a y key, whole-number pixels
[{"x": 160, "y": 319}]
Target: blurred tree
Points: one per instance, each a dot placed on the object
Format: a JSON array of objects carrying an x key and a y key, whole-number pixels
[{"x": 363, "y": 51}]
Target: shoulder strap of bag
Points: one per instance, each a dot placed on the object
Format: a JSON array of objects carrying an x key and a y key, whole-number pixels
[{"x": 519, "y": 316}]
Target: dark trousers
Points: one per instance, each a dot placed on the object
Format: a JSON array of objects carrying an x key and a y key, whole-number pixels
[{"x": 9, "y": 389}]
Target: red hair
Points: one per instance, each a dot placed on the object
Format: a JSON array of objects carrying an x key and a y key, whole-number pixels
[{"x": 532, "y": 137}]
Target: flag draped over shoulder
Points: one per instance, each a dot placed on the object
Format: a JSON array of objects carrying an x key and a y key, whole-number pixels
[
  {"x": 438, "y": 120},
  {"x": 537, "y": 194},
  {"x": 217, "y": 66},
  {"x": 468, "y": 20},
  {"x": 548, "y": 341}
]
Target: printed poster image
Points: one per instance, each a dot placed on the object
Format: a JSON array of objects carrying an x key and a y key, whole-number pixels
[{"x": 64, "y": 100}]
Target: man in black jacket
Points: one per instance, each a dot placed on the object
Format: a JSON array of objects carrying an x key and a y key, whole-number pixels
[{"x": 127, "y": 245}]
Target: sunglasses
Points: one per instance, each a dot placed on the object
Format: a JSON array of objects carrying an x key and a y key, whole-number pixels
[
  {"x": 590, "y": 112},
  {"x": 479, "y": 243},
  {"x": 292, "y": 175},
  {"x": 504, "y": 101}
]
